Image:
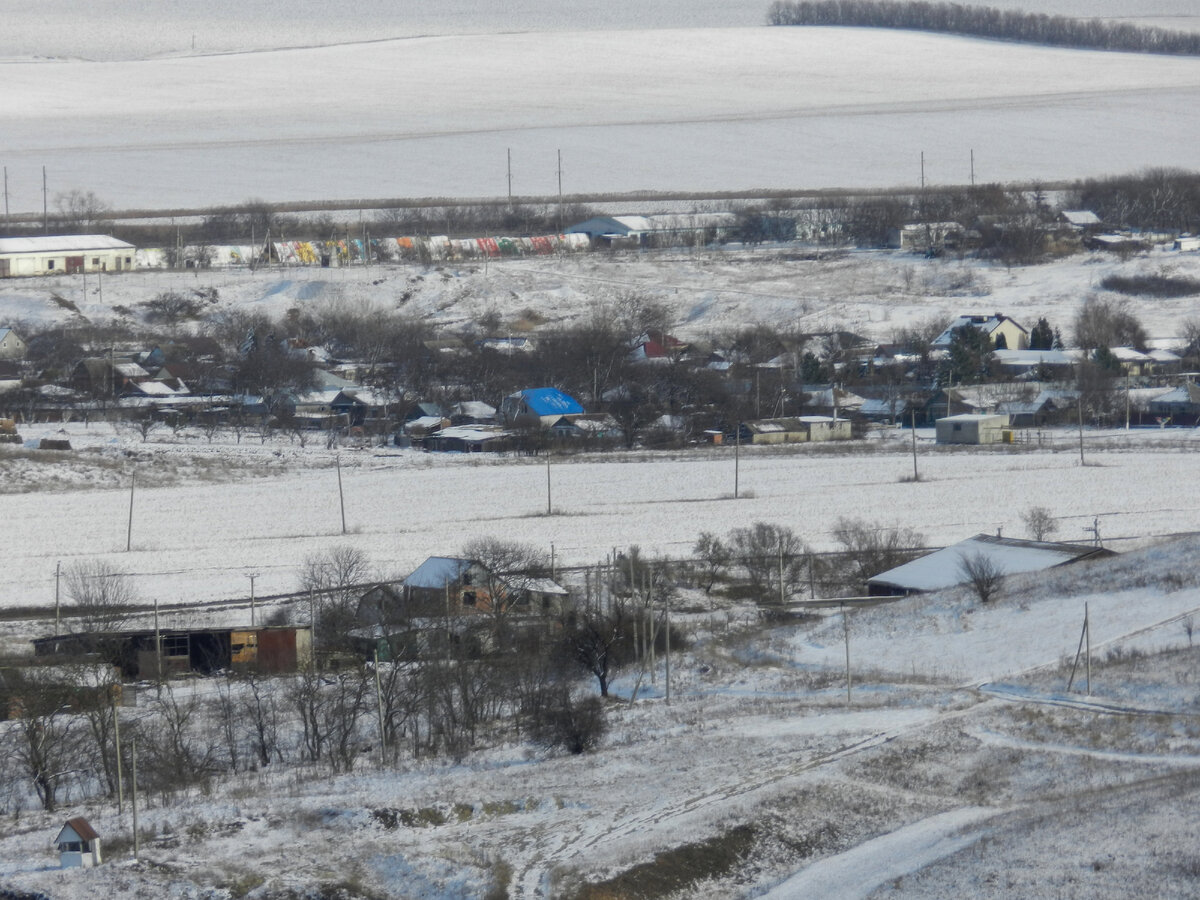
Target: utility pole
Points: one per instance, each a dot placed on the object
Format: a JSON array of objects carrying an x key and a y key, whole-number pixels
[
  {"x": 137, "y": 842},
  {"x": 846, "y": 635},
  {"x": 6, "y": 198},
  {"x": 560, "y": 199},
  {"x": 341, "y": 496},
  {"x": 1080, "y": 404},
  {"x": 57, "y": 578},
  {"x": 510, "y": 203},
  {"x": 45, "y": 205},
  {"x": 667, "y": 640},
  {"x": 548, "y": 509},
  {"x": 129, "y": 529},
  {"x": 379, "y": 708},
  {"x": 117, "y": 745},
  {"x": 916, "y": 476},
  {"x": 252, "y": 576},
  {"x": 157, "y": 643},
  {"x": 972, "y": 167},
  {"x": 737, "y": 451}
]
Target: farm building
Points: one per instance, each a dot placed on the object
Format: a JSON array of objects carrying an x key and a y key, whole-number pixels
[
  {"x": 1004, "y": 333},
  {"x": 64, "y": 255},
  {"x": 662, "y": 230},
  {"x": 974, "y": 428},
  {"x": 925, "y": 237},
  {"x": 794, "y": 430},
  {"x": 203, "y": 650},
  {"x": 1010, "y": 556}
]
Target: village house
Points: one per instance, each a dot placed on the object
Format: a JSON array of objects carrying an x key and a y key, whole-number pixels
[
  {"x": 1003, "y": 332},
  {"x": 542, "y": 407}
]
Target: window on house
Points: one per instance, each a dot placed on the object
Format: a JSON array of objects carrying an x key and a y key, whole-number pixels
[
  {"x": 466, "y": 579},
  {"x": 95, "y": 260},
  {"x": 957, "y": 426},
  {"x": 49, "y": 264},
  {"x": 175, "y": 645},
  {"x": 127, "y": 260},
  {"x": 468, "y": 598}
]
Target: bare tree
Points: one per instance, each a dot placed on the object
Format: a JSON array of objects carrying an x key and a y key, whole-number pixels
[
  {"x": 511, "y": 570},
  {"x": 982, "y": 574},
  {"x": 82, "y": 211},
  {"x": 870, "y": 548},
  {"x": 102, "y": 595},
  {"x": 768, "y": 552},
  {"x": 337, "y": 576},
  {"x": 45, "y": 737},
  {"x": 714, "y": 556},
  {"x": 1039, "y": 522}
]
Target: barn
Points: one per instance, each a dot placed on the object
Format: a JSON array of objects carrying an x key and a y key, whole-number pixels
[{"x": 64, "y": 255}]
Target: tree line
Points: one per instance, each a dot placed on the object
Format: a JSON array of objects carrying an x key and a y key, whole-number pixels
[{"x": 987, "y": 22}]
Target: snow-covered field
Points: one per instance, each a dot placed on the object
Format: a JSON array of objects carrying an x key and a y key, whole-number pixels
[
  {"x": 684, "y": 108},
  {"x": 705, "y": 293}
]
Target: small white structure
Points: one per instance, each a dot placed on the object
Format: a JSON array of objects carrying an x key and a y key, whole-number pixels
[
  {"x": 65, "y": 255},
  {"x": 974, "y": 428},
  {"x": 78, "y": 845}
]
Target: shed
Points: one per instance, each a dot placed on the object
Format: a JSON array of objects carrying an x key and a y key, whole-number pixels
[
  {"x": 974, "y": 428},
  {"x": 1011, "y": 556},
  {"x": 65, "y": 254},
  {"x": 78, "y": 845}
]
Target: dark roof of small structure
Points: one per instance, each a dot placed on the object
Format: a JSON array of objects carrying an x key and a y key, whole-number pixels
[{"x": 81, "y": 827}]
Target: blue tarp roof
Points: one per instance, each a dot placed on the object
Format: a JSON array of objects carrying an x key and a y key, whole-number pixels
[
  {"x": 437, "y": 572},
  {"x": 550, "y": 402}
]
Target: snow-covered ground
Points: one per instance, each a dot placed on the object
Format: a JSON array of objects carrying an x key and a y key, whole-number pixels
[
  {"x": 705, "y": 293},
  {"x": 683, "y": 108}
]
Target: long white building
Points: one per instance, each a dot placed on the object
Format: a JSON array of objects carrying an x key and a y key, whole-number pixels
[{"x": 64, "y": 254}]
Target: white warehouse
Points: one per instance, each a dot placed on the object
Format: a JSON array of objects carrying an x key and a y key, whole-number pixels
[{"x": 64, "y": 254}]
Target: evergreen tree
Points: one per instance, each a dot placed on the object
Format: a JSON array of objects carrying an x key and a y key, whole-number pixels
[{"x": 1042, "y": 337}]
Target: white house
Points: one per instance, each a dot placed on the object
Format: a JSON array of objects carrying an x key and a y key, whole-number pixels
[
  {"x": 78, "y": 845},
  {"x": 11, "y": 345},
  {"x": 64, "y": 254}
]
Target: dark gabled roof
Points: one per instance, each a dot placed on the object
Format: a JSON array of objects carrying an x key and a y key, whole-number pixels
[{"x": 81, "y": 827}]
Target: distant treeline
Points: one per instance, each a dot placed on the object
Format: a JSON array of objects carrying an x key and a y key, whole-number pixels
[{"x": 986, "y": 22}]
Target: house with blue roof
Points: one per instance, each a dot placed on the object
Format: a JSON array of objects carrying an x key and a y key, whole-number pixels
[{"x": 538, "y": 406}]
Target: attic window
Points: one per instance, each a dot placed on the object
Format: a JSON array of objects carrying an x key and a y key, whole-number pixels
[
  {"x": 466, "y": 579},
  {"x": 468, "y": 598}
]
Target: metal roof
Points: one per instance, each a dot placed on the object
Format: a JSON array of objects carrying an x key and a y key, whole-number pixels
[
  {"x": 437, "y": 572},
  {"x": 549, "y": 402}
]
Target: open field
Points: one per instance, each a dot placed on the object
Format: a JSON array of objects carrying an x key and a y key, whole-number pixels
[{"x": 727, "y": 108}]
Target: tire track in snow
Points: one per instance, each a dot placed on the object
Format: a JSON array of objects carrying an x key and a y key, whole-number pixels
[{"x": 530, "y": 878}]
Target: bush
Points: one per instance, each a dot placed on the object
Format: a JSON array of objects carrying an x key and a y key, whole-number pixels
[
  {"x": 1152, "y": 285},
  {"x": 572, "y": 724}
]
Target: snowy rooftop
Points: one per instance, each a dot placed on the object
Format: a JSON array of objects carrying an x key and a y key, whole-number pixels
[
  {"x": 943, "y": 568},
  {"x": 62, "y": 243}
]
